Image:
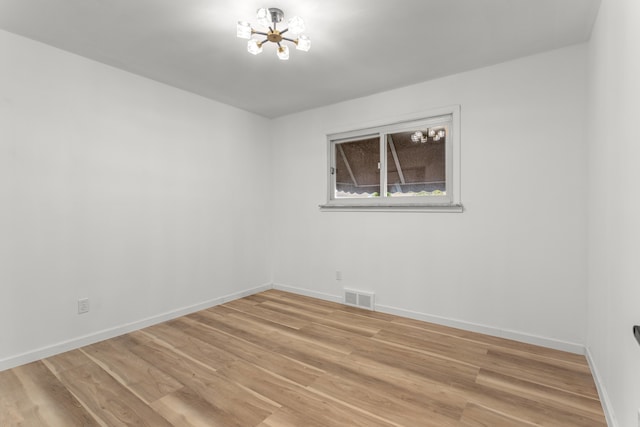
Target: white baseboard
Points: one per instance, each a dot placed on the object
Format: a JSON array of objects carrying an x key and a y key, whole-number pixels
[
  {"x": 488, "y": 330},
  {"x": 88, "y": 339},
  {"x": 307, "y": 293},
  {"x": 454, "y": 323},
  {"x": 602, "y": 392},
  {"x": 61, "y": 347}
]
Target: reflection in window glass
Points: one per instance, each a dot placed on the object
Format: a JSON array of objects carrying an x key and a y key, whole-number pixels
[
  {"x": 357, "y": 168},
  {"x": 416, "y": 162}
]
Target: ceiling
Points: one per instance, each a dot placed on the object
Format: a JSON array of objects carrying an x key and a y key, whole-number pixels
[{"x": 359, "y": 47}]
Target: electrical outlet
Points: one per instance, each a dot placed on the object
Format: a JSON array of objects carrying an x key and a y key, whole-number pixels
[
  {"x": 83, "y": 305},
  {"x": 338, "y": 275}
]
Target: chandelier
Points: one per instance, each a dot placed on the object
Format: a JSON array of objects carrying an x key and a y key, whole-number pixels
[
  {"x": 269, "y": 19},
  {"x": 436, "y": 134}
]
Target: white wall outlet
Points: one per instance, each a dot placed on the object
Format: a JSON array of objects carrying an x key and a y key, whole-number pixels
[
  {"x": 338, "y": 275},
  {"x": 83, "y": 305}
]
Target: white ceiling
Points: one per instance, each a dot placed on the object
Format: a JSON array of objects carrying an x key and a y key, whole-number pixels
[{"x": 359, "y": 47}]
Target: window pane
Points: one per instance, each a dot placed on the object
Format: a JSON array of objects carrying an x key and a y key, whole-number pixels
[
  {"x": 416, "y": 162},
  {"x": 357, "y": 173}
]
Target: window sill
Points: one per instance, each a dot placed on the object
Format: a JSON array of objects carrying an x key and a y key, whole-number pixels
[{"x": 400, "y": 207}]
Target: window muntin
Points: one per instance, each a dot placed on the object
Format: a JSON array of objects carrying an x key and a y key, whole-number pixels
[{"x": 418, "y": 164}]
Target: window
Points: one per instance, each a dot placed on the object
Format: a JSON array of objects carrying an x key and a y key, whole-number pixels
[{"x": 411, "y": 164}]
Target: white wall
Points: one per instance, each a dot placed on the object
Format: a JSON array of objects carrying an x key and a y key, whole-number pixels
[
  {"x": 149, "y": 200},
  {"x": 514, "y": 261},
  {"x": 144, "y": 198},
  {"x": 614, "y": 206}
]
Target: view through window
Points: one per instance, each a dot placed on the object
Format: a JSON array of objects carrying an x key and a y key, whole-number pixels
[{"x": 404, "y": 163}]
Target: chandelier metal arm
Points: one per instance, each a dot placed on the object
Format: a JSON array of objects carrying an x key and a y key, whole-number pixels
[
  {"x": 259, "y": 32},
  {"x": 290, "y": 40}
]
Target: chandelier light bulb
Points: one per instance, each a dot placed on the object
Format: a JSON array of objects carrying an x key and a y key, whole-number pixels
[
  {"x": 244, "y": 30},
  {"x": 264, "y": 17},
  {"x": 303, "y": 43},
  {"x": 296, "y": 25},
  {"x": 254, "y": 47},
  {"x": 417, "y": 137},
  {"x": 441, "y": 133},
  {"x": 283, "y": 52},
  {"x": 431, "y": 133}
]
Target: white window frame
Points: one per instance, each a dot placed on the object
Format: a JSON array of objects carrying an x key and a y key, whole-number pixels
[{"x": 450, "y": 202}]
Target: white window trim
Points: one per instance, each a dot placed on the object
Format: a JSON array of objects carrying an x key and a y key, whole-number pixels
[{"x": 450, "y": 203}]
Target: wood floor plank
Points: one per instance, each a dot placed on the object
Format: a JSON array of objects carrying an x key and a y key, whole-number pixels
[
  {"x": 478, "y": 416},
  {"x": 143, "y": 379},
  {"x": 320, "y": 318},
  {"x": 273, "y": 320},
  {"x": 358, "y": 324},
  {"x": 260, "y": 311},
  {"x": 318, "y": 355},
  {"x": 276, "y": 359},
  {"x": 335, "y": 317},
  {"x": 299, "y": 302},
  {"x": 33, "y": 396},
  {"x": 15, "y": 405},
  {"x": 331, "y": 337},
  {"x": 434, "y": 396},
  {"x": 284, "y": 366},
  {"x": 388, "y": 401},
  {"x": 230, "y": 402},
  {"x": 288, "y": 417},
  {"x": 520, "y": 366},
  {"x": 423, "y": 365},
  {"x": 174, "y": 333},
  {"x": 299, "y": 311},
  {"x": 436, "y": 342},
  {"x": 70, "y": 359},
  {"x": 494, "y": 342},
  {"x": 288, "y": 394},
  {"x": 584, "y": 406},
  {"x": 187, "y": 408},
  {"x": 527, "y": 409},
  {"x": 105, "y": 397},
  {"x": 303, "y": 301}
]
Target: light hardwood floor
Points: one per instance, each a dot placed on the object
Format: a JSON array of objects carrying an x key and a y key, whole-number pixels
[{"x": 278, "y": 359}]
